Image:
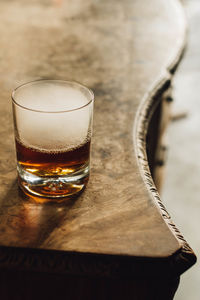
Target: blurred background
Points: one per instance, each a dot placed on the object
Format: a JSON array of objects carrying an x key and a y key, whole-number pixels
[{"x": 181, "y": 190}]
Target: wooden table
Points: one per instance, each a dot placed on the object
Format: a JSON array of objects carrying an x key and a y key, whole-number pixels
[{"x": 116, "y": 241}]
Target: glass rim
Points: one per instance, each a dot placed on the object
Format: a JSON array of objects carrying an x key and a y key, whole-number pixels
[{"x": 90, "y": 92}]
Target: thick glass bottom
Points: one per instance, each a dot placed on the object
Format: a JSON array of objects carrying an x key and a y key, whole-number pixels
[{"x": 53, "y": 187}]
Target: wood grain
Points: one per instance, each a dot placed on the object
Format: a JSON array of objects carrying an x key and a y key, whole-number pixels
[{"x": 125, "y": 51}]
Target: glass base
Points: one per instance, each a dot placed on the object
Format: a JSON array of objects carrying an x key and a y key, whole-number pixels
[{"x": 53, "y": 187}]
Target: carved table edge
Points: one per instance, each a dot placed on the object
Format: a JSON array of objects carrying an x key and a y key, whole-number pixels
[
  {"x": 114, "y": 266},
  {"x": 185, "y": 256}
]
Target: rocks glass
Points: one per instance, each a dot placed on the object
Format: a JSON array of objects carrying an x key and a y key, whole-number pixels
[{"x": 53, "y": 128}]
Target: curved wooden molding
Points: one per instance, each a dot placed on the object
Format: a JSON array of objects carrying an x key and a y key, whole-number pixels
[
  {"x": 142, "y": 120},
  {"x": 141, "y": 127},
  {"x": 127, "y": 52}
]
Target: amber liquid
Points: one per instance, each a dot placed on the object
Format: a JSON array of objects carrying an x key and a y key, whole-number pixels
[{"x": 53, "y": 165}]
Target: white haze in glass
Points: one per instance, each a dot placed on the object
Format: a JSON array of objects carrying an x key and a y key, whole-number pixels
[{"x": 47, "y": 130}]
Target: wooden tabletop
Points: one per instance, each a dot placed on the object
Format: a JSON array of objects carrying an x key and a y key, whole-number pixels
[{"x": 125, "y": 52}]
